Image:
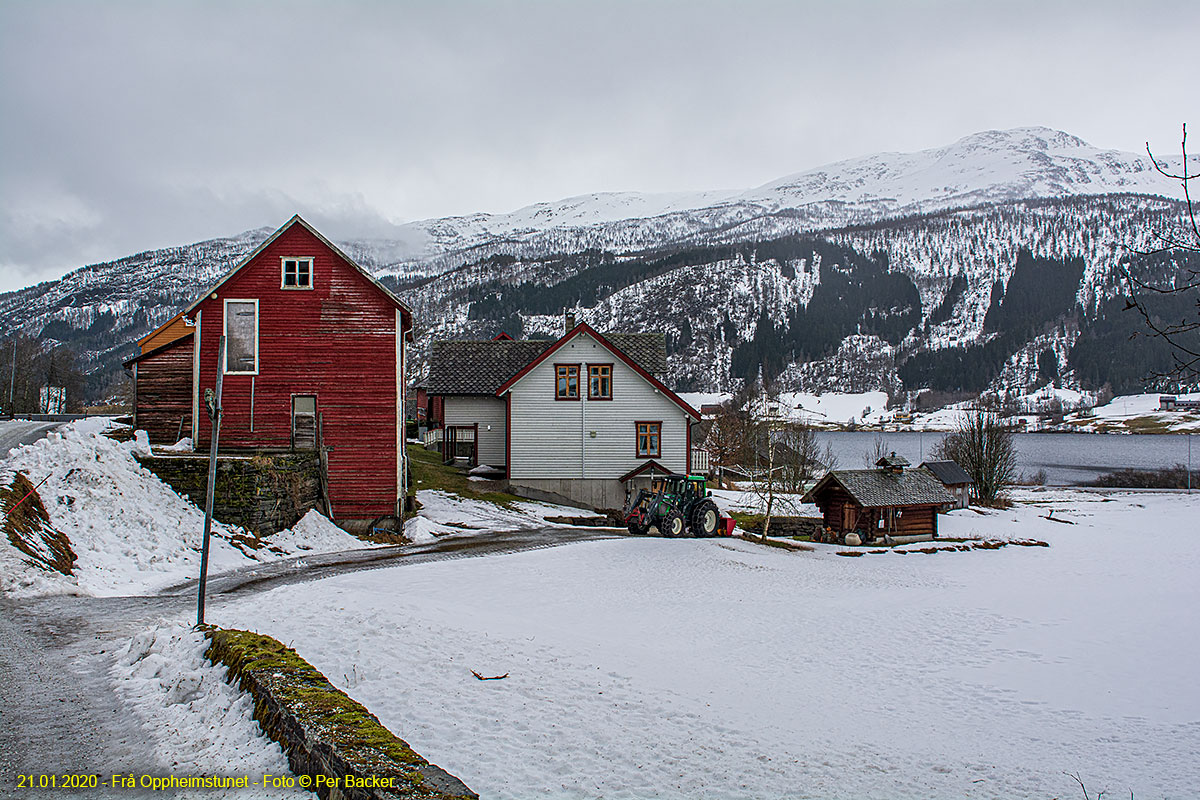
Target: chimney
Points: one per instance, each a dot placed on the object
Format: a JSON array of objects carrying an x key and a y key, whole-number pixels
[{"x": 568, "y": 321}]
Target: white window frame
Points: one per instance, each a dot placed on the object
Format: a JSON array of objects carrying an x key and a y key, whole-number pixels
[
  {"x": 225, "y": 332},
  {"x": 312, "y": 263}
]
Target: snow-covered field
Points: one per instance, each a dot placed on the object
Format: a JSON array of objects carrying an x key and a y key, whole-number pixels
[
  {"x": 132, "y": 533},
  {"x": 720, "y": 668}
]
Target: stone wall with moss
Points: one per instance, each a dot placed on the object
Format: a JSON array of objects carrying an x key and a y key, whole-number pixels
[
  {"x": 333, "y": 744},
  {"x": 263, "y": 493}
]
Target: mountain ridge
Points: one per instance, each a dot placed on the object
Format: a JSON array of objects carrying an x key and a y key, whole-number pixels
[{"x": 962, "y": 211}]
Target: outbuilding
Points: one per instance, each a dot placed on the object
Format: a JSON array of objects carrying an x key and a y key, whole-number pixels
[
  {"x": 954, "y": 478},
  {"x": 889, "y": 500}
]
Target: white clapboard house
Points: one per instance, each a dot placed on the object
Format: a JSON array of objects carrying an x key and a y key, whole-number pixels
[{"x": 585, "y": 418}]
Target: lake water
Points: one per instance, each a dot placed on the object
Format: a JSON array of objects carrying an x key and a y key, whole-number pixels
[{"x": 1067, "y": 458}]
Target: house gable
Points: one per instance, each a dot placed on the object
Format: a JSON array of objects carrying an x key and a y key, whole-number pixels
[
  {"x": 589, "y": 439},
  {"x": 338, "y": 345},
  {"x": 583, "y": 329}
]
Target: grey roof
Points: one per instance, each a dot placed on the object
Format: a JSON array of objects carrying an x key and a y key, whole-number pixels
[
  {"x": 648, "y": 350},
  {"x": 470, "y": 367},
  {"x": 873, "y": 488},
  {"x": 482, "y": 367},
  {"x": 948, "y": 472}
]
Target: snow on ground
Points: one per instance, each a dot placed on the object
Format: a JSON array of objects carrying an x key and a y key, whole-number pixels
[
  {"x": 444, "y": 514},
  {"x": 200, "y": 724},
  {"x": 132, "y": 533},
  {"x": 719, "y": 668},
  {"x": 750, "y": 502},
  {"x": 865, "y": 408}
]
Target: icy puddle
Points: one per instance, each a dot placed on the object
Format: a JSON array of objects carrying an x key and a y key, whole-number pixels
[{"x": 681, "y": 668}]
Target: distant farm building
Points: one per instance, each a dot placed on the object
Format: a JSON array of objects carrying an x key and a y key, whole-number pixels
[{"x": 1168, "y": 402}]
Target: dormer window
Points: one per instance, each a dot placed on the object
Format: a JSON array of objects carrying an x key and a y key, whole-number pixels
[{"x": 297, "y": 273}]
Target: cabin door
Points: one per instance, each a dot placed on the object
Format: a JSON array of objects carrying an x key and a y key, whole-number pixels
[
  {"x": 849, "y": 517},
  {"x": 304, "y": 422}
]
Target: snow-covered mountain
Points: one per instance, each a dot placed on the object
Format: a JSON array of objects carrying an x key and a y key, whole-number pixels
[{"x": 925, "y": 243}]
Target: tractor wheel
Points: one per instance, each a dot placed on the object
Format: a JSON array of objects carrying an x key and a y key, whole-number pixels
[
  {"x": 705, "y": 519},
  {"x": 671, "y": 524}
]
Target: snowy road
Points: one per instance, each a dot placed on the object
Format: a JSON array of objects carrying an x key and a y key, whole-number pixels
[
  {"x": 14, "y": 433},
  {"x": 58, "y": 710}
]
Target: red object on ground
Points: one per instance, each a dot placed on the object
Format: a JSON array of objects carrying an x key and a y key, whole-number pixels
[{"x": 728, "y": 524}]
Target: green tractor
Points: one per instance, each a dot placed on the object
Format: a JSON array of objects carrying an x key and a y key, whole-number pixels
[{"x": 674, "y": 505}]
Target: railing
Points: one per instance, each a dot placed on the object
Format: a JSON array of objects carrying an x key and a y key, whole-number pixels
[
  {"x": 699, "y": 460},
  {"x": 432, "y": 438}
]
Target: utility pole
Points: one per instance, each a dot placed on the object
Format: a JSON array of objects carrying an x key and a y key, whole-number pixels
[
  {"x": 214, "y": 413},
  {"x": 12, "y": 378}
]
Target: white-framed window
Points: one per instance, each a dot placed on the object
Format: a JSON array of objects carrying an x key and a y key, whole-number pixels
[
  {"x": 297, "y": 272},
  {"x": 241, "y": 337}
]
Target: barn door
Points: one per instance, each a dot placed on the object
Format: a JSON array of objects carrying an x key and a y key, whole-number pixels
[{"x": 304, "y": 422}]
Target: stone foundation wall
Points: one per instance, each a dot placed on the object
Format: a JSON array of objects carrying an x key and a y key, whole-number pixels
[
  {"x": 334, "y": 745},
  {"x": 264, "y": 493},
  {"x": 790, "y": 526}
]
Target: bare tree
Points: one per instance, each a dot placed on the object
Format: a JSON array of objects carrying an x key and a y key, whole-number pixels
[
  {"x": 1183, "y": 238},
  {"x": 879, "y": 449},
  {"x": 984, "y": 447},
  {"x": 728, "y": 437},
  {"x": 803, "y": 457}
]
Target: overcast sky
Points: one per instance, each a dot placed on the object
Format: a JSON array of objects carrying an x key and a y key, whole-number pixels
[{"x": 128, "y": 126}]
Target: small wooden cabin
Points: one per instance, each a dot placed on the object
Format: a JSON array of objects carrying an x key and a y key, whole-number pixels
[
  {"x": 889, "y": 500},
  {"x": 954, "y": 478}
]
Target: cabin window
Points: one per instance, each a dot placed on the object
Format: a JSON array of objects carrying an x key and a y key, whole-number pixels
[
  {"x": 649, "y": 439},
  {"x": 297, "y": 273},
  {"x": 304, "y": 422},
  {"x": 599, "y": 381},
  {"x": 241, "y": 337},
  {"x": 566, "y": 381}
]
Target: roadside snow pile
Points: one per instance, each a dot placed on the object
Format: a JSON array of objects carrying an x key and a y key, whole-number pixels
[
  {"x": 681, "y": 668},
  {"x": 132, "y": 533},
  {"x": 313, "y": 533},
  {"x": 200, "y": 724},
  {"x": 443, "y": 514}
]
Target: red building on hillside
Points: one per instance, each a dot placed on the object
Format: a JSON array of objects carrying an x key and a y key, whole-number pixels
[{"x": 315, "y": 348}]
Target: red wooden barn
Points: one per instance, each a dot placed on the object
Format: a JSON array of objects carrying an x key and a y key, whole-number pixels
[{"x": 313, "y": 341}]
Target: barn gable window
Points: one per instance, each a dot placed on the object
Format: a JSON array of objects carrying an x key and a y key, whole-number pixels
[
  {"x": 297, "y": 273},
  {"x": 649, "y": 439},
  {"x": 599, "y": 381},
  {"x": 241, "y": 337},
  {"x": 566, "y": 381}
]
